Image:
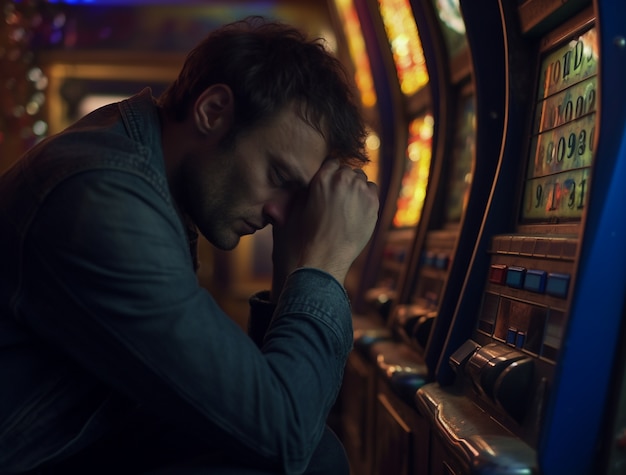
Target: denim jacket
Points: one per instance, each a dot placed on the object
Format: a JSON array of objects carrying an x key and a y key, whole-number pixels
[{"x": 101, "y": 311}]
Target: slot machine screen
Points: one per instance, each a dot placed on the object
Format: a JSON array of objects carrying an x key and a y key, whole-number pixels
[
  {"x": 412, "y": 172},
  {"x": 409, "y": 204},
  {"x": 561, "y": 151},
  {"x": 410, "y": 199},
  {"x": 405, "y": 43}
]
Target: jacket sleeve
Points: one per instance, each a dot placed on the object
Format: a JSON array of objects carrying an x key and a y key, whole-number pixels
[{"x": 111, "y": 285}]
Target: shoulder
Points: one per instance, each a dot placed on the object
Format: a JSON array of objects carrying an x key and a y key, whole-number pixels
[{"x": 98, "y": 144}]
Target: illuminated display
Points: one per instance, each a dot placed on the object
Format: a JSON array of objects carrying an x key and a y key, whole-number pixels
[
  {"x": 362, "y": 76},
  {"x": 462, "y": 156},
  {"x": 405, "y": 43},
  {"x": 356, "y": 46},
  {"x": 417, "y": 168},
  {"x": 561, "y": 151}
]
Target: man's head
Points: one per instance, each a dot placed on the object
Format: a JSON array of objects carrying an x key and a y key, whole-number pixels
[
  {"x": 268, "y": 65},
  {"x": 255, "y": 111}
]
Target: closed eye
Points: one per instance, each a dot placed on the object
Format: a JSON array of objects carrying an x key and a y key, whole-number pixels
[{"x": 278, "y": 178}]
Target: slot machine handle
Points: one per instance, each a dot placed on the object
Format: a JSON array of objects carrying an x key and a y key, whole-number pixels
[
  {"x": 504, "y": 376},
  {"x": 458, "y": 360},
  {"x": 512, "y": 387},
  {"x": 408, "y": 320},
  {"x": 381, "y": 299}
]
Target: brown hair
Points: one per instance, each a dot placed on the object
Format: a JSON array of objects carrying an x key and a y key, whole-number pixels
[{"x": 268, "y": 65}]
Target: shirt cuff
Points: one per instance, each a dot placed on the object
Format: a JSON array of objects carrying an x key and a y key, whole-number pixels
[{"x": 261, "y": 312}]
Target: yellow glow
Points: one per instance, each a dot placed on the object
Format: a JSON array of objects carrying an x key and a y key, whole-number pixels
[
  {"x": 406, "y": 46},
  {"x": 410, "y": 200},
  {"x": 373, "y": 150},
  {"x": 373, "y": 141},
  {"x": 356, "y": 46}
]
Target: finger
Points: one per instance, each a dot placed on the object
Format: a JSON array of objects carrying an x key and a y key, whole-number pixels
[
  {"x": 359, "y": 172},
  {"x": 329, "y": 167},
  {"x": 373, "y": 187},
  {"x": 331, "y": 164}
]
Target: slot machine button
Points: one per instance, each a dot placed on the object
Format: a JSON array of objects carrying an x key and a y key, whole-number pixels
[
  {"x": 429, "y": 258},
  {"x": 400, "y": 255},
  {"x": 515, "y": 277},
  {"x": 501, "y": 244},
  {"x": 557, "y": 284},
  {"x": 511, "y": 336},
  {"x": 541, "y": 247},
  {"x": 520, "y": 340},
  {"x": 516, "y": 244},
  {"x": 535, "y": 280},
  {"x": 441, "y": 261},
  {"x": 570, "y": 246},
  {"x": 497, "y": 273}
]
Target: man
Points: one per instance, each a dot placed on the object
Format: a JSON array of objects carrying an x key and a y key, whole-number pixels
[{"x": 112, "y": 358}]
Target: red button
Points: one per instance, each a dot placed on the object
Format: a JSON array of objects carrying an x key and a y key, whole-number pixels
[{"x": 497, "y": 273}]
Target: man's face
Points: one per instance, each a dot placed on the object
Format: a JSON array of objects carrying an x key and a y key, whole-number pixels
[{"x": 236, "y": 190}]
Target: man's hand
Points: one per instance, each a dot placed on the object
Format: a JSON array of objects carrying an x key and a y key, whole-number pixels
[{"x": 327, "y": 227}]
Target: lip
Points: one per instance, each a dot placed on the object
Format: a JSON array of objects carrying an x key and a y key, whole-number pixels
[{"x": 251, "y": 228}]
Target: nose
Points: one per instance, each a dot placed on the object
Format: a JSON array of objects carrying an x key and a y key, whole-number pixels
[{"x": 275, "y": 210}]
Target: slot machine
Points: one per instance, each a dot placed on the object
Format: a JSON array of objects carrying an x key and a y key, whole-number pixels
[
  {"x": 371, "y": 86},
  {"x": 360, "y": 47},
  {"x": 430, "y": 265},
  {"x": 541, "y": 307},
  {"x": 456, "y": 202},
  {"x": 362, "y": 59},
  {"x": 406, "y": 111},
  {"x": 392, "y": 29},
  {"x": 393, "y": 431}
]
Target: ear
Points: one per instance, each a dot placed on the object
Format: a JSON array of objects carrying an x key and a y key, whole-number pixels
[{"x": 213, "y": 110}]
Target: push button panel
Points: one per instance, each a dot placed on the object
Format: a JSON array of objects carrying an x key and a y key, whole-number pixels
[
  {"x": 438, "y": 249},
  {"x": 435, "y": 261},
  {"x": 533, "y": 327},
  {"x": 534, "y": 280},
  {"x": 526, "y": 294}
]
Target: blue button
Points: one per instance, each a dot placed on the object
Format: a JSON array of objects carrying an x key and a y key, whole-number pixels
[
  {"x": 442, "y": 261},
  {"x": 557, "y": 284},
  {"x": 535, "y": 280},
  {"x": 400, "y": 255},
  {"x": 429, "y": 258},
  {"x": 515, "y": 277},
  {"x": 511, "y": 336},
  {"x": 520, "y": 340}
]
